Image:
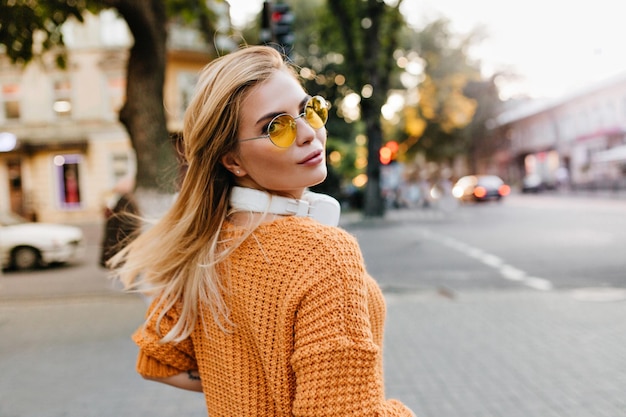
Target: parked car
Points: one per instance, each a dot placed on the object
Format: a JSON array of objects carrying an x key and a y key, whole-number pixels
[
  {"x": 480, "y": 188},
  {"x": 27, "y": 245}
]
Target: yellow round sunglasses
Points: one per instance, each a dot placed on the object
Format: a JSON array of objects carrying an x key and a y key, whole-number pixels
[{"x": 282, "y": 129}]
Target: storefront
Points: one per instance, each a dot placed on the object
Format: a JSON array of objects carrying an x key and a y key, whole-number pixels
[{"x": 62, "y": 181}]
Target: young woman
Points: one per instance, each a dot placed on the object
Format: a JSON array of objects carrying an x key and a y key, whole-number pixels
[{"x": 257, "y": 303}]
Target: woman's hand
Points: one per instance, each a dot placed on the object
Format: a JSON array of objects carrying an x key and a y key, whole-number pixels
[{"x": 189, "y": 380}]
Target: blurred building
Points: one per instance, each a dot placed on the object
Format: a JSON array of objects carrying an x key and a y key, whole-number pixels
[
  {"x": 577, "y": 140},
  {"x": 62, "y": 148}
]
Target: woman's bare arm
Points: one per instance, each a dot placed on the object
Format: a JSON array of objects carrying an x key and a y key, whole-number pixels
[{"x": 189, "y": 380}]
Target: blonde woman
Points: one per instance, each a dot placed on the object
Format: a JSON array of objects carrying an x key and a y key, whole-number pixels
[{"x": 260, "y": 301}]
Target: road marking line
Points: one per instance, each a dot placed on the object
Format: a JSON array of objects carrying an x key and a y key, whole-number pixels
[
  {"x": 507, "y": 271},
  {"x": 539, "y": 283},
  {"x": 511, "y": 273}
]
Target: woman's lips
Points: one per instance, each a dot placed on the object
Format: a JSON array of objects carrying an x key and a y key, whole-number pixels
[{"x": 314, "y": 158}]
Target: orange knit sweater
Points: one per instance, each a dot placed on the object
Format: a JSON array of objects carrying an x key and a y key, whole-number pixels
[{"x": 308, "y": 331}]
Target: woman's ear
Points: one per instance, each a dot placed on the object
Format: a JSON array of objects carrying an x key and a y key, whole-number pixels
[{"x": 232, "y": 163}]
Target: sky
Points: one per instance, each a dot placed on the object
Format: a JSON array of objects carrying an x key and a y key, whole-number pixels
[{"x": 555, "y": 46}]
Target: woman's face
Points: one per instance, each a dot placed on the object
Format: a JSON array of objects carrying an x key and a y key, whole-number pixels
[{"x": 263, "y": 165}]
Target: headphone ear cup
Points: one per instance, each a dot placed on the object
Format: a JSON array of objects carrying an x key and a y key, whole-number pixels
[{"x": 324, "y": 208}]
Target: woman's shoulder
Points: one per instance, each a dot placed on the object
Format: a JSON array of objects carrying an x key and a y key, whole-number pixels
[
  {"x": 309, "y": 230},
  {"x": 295, "y": 236},
  {"x": 322, "y": 243}
]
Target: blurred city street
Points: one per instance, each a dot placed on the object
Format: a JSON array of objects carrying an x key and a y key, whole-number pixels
[{"x": 502, "y": 309}]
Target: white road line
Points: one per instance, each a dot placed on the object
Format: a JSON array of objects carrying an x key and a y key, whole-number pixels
[{"x": 507, "y": 271}]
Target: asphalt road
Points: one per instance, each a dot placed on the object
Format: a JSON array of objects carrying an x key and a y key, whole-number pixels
[{"x": 543, "y": 242}]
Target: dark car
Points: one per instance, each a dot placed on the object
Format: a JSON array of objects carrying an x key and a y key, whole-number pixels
[{"x": 480, "y": 188}]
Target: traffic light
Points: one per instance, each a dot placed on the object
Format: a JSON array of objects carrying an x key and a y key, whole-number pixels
[
  {"x": 282, "y": 26},
  {"x": 277, "y": 26}
]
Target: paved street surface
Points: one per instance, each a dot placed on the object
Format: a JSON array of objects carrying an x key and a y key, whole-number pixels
[{"x": 483, "y": 352}]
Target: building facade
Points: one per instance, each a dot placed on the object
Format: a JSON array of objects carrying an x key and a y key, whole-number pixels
[
  {"x": 62, "y": 148},
  {"x": 578, "y": 140}
]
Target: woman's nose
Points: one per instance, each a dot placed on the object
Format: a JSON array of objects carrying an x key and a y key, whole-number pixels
[{"x": 304, "y": 131}]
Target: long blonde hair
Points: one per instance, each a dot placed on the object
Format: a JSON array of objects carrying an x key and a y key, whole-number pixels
[{"x": 178, "y": 256}]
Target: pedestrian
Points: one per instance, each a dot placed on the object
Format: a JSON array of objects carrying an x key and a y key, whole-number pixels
[
  {"x": 121, "y": 219},
  {"x": 259, "y": 300}
]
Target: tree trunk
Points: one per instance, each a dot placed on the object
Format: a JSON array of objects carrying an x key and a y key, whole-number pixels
[
  {"x": 143, "y": 113},
  {"x": 374, "y": 206},
  {"x": 370, "y": 61},
  {"x": 370, "y": 108}
]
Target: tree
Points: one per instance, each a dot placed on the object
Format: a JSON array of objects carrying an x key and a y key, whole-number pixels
[
  {"x": 353, "y": 41},
  {"x": 436, "y": 125},
  {"x": 369, "y": 30},
  {"x": 29, "y": 28},
  {"x": 480, "y": 141}
]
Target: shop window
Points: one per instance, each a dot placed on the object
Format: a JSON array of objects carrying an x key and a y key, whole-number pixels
[
  {"x": 11, "y": 101},
  {"x": 62, "y": 105},
  {"x": 16, "y": 198},
  {"x": 67, "y": 169}
]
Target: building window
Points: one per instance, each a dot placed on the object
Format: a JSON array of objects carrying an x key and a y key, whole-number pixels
[
  {"x": 67, "y": 169},
  {"x": 62, "y": 105},
  {"x": 121, "y": 166},
  {"x": 11, "y": 101}
]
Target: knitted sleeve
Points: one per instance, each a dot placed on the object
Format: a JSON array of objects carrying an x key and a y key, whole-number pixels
[
  {"x": 157, "y": 359},
  {"x": 337, "y": 364}
]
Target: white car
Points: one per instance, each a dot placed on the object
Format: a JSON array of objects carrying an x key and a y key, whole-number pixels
[{"x": 27, "y": 245}]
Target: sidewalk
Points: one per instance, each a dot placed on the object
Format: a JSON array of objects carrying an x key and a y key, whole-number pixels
[
  {"x": 481, "y": 354},
  {"x": 506, "y": 354}
]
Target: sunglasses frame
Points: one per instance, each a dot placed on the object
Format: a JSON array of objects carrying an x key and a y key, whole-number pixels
[{"x": 293, "y": 120}]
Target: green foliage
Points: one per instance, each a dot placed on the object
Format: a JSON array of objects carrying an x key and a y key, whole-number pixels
[
  {"x": 438, "y": 125},
  {"x": 195, "y": 12},
  {"x": 29, "y": 27},
  {"x": 365, "y": 33}
]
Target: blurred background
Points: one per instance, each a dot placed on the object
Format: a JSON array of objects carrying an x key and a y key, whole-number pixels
[{"x": 423, "y": 92}]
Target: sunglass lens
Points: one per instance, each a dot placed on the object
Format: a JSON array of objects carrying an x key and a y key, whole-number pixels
[
  {"x": 282, "y": 130},
  {"x": 316, "y": 111}
]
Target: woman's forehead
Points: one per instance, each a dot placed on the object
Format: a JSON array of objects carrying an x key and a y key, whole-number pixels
[{"x": 278, "y": 93}]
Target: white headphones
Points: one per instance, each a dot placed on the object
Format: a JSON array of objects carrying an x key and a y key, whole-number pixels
[{"x": 320, "y": 207}]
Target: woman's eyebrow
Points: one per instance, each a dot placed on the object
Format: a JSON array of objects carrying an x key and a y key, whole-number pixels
[
  {"x": 304, "y": 100},
  {"x": 270, "y": 116}
]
